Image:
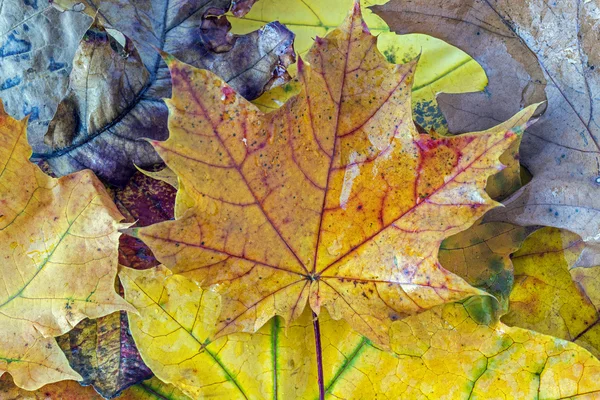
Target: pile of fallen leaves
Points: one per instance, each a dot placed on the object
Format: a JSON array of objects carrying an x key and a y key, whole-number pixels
[{"x": 285, "y": 207}]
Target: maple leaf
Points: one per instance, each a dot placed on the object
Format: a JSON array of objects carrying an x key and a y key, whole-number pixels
[
  {"x": 441, "y": 353},
  {"x": 58, "y": 240},
  {"x": 144, "y": 200},
  {"x": 441, "y": 68},
  {"x": 562, "y": 151},
  {"x": 37, "y": 45},
  {"x": 550, "y": 294},
  {"x": 333, "y": 199},
  {"x": 151, "y": 389}
]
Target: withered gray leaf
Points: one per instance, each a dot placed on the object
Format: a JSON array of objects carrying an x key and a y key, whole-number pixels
[
  {"x": 119, "y": 79},
  {"x": 530, "y": 50},
  {"x": 37, "y": 44}
]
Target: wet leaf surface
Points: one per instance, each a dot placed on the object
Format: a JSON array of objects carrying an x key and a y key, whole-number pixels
[{"x": 363, "y": 246}]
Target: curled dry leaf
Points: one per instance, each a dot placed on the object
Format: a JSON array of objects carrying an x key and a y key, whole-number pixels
[
  {"x": 50, "y": 230},
  {"x": 103, "y": 353},
  {"x": 441, "y": 67},
  {"x": 552, "y": 296},
  {"x": 118, "y": 80},
  {"x": 37, "y": 45},
  {"x": 439, "y": 353},
  {"x": 310, "y": 204},
  {"x": 517, "y": 43}
]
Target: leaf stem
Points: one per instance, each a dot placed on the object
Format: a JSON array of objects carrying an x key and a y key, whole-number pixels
[{"x": 319, "y": 355}]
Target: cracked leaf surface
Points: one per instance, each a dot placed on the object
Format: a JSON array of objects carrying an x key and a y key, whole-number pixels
[
  {"x": 551, "y": 294},
  {"x": 333, "y": 199},
  {"x": 50, "y": 231},
  {"x": 441, "y": 353}
]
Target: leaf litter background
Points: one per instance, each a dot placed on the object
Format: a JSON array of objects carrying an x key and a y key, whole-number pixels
[{"x": 555, "y": 284}]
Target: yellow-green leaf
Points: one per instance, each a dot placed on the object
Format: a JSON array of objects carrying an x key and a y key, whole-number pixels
[
  {"x": 153, "y": 389},
  {"x": 58, "y": 241},
  {"x": 441, "y": 68},
  {"x": 442, "y": 353},
  {"x": 550, "y": 295}
]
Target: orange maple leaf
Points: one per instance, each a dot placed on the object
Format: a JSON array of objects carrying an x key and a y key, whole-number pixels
[{"x": 334, "y": 199}]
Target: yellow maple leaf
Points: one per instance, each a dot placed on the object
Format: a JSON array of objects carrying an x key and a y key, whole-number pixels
[
  {"x": 58, "y": 241},
  {"x": 441, "y": 353},
  {"x": 334, "y": 199}
]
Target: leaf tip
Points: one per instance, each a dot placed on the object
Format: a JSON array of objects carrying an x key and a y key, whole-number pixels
[
  {"x": 356, "y": 11},
  {"x": 301, "y": 63},
  {"x": 133, "y": 232},
  {"x": 167, "y": 57}
]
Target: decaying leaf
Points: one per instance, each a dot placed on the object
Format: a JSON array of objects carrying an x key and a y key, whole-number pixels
[
  {"x": 441, "y": 67},
  {"x": 51, "y": 230},
  {"x": 143, "y": 201},
  {"x": 530, "y": 50},
  {"x": 37, "y": 45},
  {"x": 343, "y": 205},
  {"x": 441, "y": 353},
  {"x": 563, "y": 152},
  {"x": 550, "y": 295},
  {"x": 481, "y": 255},
  {"x": 103, "y": 353},
  {"x": 116, "y": 91}
]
